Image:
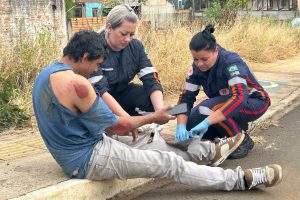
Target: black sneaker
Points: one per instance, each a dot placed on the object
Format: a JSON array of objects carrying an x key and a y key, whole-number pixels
[{"x": 243, "y": 149}]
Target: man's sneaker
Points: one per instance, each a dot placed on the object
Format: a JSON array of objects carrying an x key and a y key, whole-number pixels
[
  {"x": 268, "y": 176},
  {"x": 225, "y": 146},
  {"x": 243, "y": 149}
]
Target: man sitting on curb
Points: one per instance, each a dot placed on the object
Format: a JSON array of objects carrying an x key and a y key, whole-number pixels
[{"x": 72, "y": 120}]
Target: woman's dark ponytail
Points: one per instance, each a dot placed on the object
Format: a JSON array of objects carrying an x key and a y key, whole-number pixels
[
  {"x": 204, "y": 40},
  {"x": 210, "y": 28}
]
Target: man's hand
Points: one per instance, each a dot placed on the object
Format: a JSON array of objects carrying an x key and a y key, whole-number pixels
[
  {"x": 200, "y": 129},
  {"x": 181, "y": 133},
  {"x": 134, "y": 134},
  {"x": 161, "y": 116},
  {"x": 124, "y": 125}
]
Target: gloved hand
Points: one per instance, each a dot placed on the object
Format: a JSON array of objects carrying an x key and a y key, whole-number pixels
[
  {"x": 181, "y": 133},
  {"x": 200, "y": 129}
]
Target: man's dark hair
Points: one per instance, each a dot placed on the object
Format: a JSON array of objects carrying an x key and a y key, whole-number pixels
[
  {"x": 204, "y": 40},
  {"x": 86, "y": 42}
]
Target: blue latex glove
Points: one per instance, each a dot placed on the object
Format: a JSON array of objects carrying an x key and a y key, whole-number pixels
[
  {"x": 200, "y": 129},
  {"x": 181, "y": 133}
]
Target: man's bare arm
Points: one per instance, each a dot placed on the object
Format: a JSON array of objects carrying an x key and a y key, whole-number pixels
[{"x": 126, "y": 124}]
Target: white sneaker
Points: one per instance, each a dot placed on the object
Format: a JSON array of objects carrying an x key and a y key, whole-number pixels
[
  {"x": 268, "y": 176},
  {"x": 225, "y": 146}
]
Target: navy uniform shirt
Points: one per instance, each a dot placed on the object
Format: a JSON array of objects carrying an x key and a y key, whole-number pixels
[
  {"x": 229, "y": 76},
  {"x": 120, "y": 67}
]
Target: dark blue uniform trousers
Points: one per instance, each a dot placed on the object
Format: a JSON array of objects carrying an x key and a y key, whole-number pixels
[
  {"x": 134, "y": 96},
  {"x": 253, "y": 109}
]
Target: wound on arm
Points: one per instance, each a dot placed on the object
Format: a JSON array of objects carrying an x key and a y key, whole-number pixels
[
  {"x": 81, "y": 90},
  {"x": 122, "y": 127}
]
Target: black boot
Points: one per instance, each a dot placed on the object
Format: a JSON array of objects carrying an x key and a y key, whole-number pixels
[{"x": 243, "y": 149}]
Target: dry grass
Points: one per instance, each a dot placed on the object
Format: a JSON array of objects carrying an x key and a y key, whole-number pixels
[
  {"x": 20, "y": 65},
  {"x": 255, "y": 40},
  {"x": 261, "y": 41},
  {"x": 169, "y": 53}
]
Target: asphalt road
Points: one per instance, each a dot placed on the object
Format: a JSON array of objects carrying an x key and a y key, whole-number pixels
[{"x": 281, "y": 146}]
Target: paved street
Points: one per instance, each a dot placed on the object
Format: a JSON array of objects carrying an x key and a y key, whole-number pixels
[{"x": 281, "y": 146}]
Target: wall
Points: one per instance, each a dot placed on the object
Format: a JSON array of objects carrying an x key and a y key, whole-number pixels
[
  {"x": 86, "y": 23},
  {"x": 281, "y": 15},
  {"x": 159, "y": 13},
  {"x": 156, "y": 2},
  {"x": 283, "y": 5},
  {"x": 20, "y": 19},
  {"x": 89, "y": 9}
]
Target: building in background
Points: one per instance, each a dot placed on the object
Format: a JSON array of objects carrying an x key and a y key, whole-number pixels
[
  {"x": 280, "y": 9},
  {"x": 158, "y": 14},
  {"x": 27, "y": 19},
  {"x": 179, "y": 4},
  {"x": 88, "y": 8}
]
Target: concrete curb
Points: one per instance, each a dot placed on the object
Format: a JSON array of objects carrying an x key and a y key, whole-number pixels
[
  {"x": 117, "y": 189},
  {"x": 282, "y": 107},
  {"x": 84, "y": 189}
]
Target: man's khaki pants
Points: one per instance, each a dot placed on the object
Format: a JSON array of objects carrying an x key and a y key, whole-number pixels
[{"x": 152, "y": 157}]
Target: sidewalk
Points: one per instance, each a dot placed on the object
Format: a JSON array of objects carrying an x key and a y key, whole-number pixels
[{"x": 26, "y": 165}]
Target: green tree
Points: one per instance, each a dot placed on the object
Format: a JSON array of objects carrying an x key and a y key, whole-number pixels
[
  {"x": 188, "y": 4},
  {"x": 223, "y": 11},
  {"x": 70, "y": 5},
  {"x": 214, "y": 14},
  {"x": 107, "y": 6}
]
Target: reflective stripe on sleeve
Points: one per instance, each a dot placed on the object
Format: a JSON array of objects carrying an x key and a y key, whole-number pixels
[
  {"x": 191, "y": 87},
  {"x": 237, "y": 80},
  {"x": 145, "y": 71},
  {"x": 205, "y": 110},
  {"x": 95, "y": 79}
]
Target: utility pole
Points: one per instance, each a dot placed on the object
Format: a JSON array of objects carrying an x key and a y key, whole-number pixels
[{"x": 193, "y": 10}]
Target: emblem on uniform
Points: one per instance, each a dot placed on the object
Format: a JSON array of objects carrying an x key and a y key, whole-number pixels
[
  {"x": 146, "y": 52},
  {"x": 233, "y": 70},
  {"x": 224, "y": 91}
]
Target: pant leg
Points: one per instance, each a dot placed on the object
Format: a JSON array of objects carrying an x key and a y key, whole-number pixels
[
  {"x": 226, "y": 128},
  {"x": 252, "y": 110},
  {"x": 112, "y": 159},
  {"x": 195, "y": 118},
  {"x": 134, "y": 96},
  {"x": 195, "y": 150}
]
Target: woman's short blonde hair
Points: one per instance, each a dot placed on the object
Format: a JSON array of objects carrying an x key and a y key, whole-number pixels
[{"x": 119, "y": 14}]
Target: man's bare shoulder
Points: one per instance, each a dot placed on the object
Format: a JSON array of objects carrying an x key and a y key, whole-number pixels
[
  {"x": 68, "y": 79},
  {"x": 82, "y": 87},
  {"x": 77, "y": 85},
  {"x": 73, "y": 90},
  {"x": 84, "y": 93}
]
